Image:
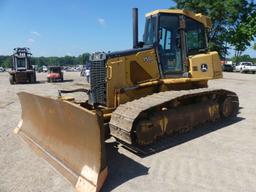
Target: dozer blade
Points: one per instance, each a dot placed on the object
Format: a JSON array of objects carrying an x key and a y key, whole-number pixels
[{"x": 68, "y": 136}]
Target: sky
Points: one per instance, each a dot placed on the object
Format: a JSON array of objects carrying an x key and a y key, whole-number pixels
[{"x": 72, "y": 27}]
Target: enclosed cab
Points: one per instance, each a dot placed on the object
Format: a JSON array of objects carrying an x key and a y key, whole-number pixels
[
  {"x": 173, "y": 55},
  {"x": 22, "y": 70}
]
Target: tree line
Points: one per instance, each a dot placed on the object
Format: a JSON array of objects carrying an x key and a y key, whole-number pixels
[
  {"x": 243, "y": 58},
  {"x": 6, "y": 61}
]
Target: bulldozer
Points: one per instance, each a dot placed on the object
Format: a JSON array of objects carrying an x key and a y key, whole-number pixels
[
  {"x": 157, "y": 89},
  {"x": 22, "y": 70}
]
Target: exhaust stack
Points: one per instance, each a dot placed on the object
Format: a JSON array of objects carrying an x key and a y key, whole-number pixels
[{"x": 135, "y": 27}]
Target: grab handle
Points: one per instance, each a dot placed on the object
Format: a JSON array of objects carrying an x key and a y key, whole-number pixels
[{"x": 109, "y": 72}]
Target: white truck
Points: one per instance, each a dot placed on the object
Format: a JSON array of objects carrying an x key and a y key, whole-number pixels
[{"x": 246, "y": 67}]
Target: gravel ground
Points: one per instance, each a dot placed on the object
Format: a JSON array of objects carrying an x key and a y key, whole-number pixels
[{"x": 220, "y": 157}]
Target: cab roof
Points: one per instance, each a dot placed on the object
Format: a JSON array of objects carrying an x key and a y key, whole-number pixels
[{"x": 206, "y": 21}]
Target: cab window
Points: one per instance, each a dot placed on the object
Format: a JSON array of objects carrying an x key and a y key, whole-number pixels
[
  {"x": 195, "y": 37},
  {"x": 21, "y": 63},
  {"x": 149, "y": 37},
  {"x": 169, "y": 48}
]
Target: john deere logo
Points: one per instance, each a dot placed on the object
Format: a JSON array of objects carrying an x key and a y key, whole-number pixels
[{"x": 204, "y": 67}]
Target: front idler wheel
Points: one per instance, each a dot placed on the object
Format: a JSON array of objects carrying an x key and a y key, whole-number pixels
[{"x": 229, "y": 107}]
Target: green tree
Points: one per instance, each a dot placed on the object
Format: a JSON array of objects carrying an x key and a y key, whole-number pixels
[
  {"x": 254, "y": 46},
  {"x": 237, "y": 59},
  {"x": 244, "y": 31},
  {"x": 84, "y": 58},
  {"x": 233, "y": 22},
  {"x": 6, "y": 61}
]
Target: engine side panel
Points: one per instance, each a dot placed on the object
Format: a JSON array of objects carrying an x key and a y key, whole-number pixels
[
  {"x": 205, "y": 66},
  {"x": 128, "y": 71}
]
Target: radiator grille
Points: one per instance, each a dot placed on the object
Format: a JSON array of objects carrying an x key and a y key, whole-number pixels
[{"x": 98, "y": 82}]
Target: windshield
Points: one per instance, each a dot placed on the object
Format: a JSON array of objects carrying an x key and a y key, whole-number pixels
[
  {"x": 149, "y": 37},
  {"x": 169, "y": 44},
  {"x": 21, "y": 63}
]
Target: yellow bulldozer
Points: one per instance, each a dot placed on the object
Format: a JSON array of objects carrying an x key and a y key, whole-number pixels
[{"x": 157, "y": 89}]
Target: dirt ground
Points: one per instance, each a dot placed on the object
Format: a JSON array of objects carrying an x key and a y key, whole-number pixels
[{"x": 220, "y": 157}]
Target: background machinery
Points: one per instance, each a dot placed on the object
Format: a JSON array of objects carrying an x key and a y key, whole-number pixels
[
  {"x": 158, "y": 88},
  {"x": 22, "y": 70},
  {"x": 54, "y": 74}
]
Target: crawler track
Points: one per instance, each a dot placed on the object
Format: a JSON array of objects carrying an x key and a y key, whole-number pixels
[{"x": 144, "y": 120}]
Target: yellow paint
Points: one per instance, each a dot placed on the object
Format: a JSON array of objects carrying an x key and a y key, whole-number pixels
[
  {"x": 121, "y": 78},
  {"x": 212, "y": 60},
  {"x": 120, "y": 75},
  {"x": 196, "y": 16}
]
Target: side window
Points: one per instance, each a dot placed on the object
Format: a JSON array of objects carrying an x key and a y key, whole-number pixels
[
  {"x": 195, "y": 36},
  {"x": 192, "y": 40}
]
